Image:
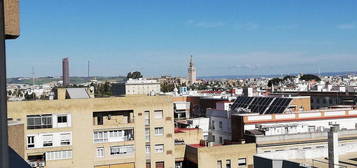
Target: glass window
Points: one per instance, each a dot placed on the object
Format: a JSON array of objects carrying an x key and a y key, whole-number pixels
[
  {"x": 220, "y": 125},
  {"x": 220, "y": 140},
  {"x": 101, "y": 136},
  {"x": 100, "y": 152},
  {"x": 147, "y": 134},
  {"x": 147, "y": 117},
  {"x": 158, "y": 114},
  {"x": 228, "y": 163},
  {"x": 159, "y": 148},
  {"x": 159, "y": 131},
  {"x": 65, "y": 139},
  {"x": 121, "y": 150},
  {"x": 47, "y": 140},
  {"x": 147, "y": 149},
  {"x": 242, "y": 162},
  {"x": 58, "y": 155},
  {"x": 39, "y": 121},
  {"x": 30, "y": 142},
  {"x": 62, "y": 119},
  {"x": 219, "y": 164}
]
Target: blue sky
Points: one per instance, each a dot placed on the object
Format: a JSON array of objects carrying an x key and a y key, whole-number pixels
[{"x": 157, "y": 37}]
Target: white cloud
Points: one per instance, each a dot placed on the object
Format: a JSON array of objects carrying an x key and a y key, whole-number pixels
[
  {"x": 205, "y": 24},
  {"x": 248, "y": 26},
  {"x": 348, "y": 26}
]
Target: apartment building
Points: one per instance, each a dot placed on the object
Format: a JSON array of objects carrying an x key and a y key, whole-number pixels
[
  {"x": 296, "y": 136},
  {"x": 220, "y": 116},
  {"x": 137, "y": 87},
  {"x": 120, "y": 132}
]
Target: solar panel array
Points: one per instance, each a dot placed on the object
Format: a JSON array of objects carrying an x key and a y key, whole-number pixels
[{"x": 262, "y": 105}]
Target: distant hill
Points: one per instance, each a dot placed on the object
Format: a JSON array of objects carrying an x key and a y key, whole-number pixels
[{"x": 74, "y": 80}]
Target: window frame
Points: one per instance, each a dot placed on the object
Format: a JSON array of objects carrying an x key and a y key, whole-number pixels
[
  {"x": 159, "y": 131},
  {"x": 159, "y": 148},
  {"x": 161, "y": 114}
]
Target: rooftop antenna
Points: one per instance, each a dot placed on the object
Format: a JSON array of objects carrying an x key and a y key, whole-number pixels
[
  {"x": 88, "y": 68},
  {"x": 33, "y": 76}
]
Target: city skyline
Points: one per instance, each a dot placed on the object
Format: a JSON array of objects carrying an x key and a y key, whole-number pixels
[{"x": 248, "y": 37}]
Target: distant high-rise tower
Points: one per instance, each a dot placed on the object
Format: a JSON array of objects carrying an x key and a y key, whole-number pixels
[
  {"x": 65, "y": 71},
  {"x": 191, "y": 72}
]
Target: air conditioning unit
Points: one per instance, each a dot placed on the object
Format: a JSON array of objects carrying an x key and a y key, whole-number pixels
[
  {"x": 41, "y": 164},
  {"x": 33, "y": 164}
]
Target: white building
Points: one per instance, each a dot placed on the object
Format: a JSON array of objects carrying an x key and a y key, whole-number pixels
[
  {"x": 137, "y": 87},
  {"x": 220, "y": 122}
]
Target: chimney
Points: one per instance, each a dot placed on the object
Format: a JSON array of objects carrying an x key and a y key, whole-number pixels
[{"x": 333, "y": 146}]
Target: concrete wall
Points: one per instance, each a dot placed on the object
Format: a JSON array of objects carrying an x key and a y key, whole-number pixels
[
  {"x": 189, "y": 136},
  {"x": 207, "y": 157},
  {"x": 12, "y": 19},
  {"x": 16, "y": 138}
]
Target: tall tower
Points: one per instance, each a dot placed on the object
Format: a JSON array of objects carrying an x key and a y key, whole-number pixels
[
  {"x": 65, "y": 71},
  {"x": 191, "y": 72}
]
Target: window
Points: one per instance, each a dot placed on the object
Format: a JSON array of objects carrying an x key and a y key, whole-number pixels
[
  {"x": 100, "y": 120},
  {"x": 242, "y": 162},
  {"x": 212, "y": 126},
  {"x": 65, "y": 139},
  {"x": 159, "y": 148},
  {"x": 147, "y": 134},
  {"x": 213, "y": 138},
  {"x": 158, "y": 114},
  {"x": 115, "y": 133},
  {"x": 220, "y": 125},
  {"x": 100, "y": 137},
  {"x": 46, "y": 121},
  {"x": 30, "y": 142},
  {"x": 228, "y": 163},
  {"x": 100, "y": 152},
  {"x": 159, "y": 131},
  {"x": 147, "y": 149},
  {"x": 122, "y": 150},
  {"x": 219, "y": 164},
  {"x": 62, "y": 119},
  {"x": 220, "y": 140},
  {"x": 147, "y": 117},
  {"x": 59, "y": 155},
  {"x": 47, "y": 140},
  {"x": 39, "y": 121},
  {"x": 159, "y": 164}
]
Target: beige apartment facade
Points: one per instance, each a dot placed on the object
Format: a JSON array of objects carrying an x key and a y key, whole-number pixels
[{"x": 120, "y": 132}]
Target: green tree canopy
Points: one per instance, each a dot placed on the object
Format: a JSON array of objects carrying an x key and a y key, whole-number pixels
[
  {"x": 134, "y": 75},
  {"x": 274, "y": 81},
  {"x": 310, "y": 77}
]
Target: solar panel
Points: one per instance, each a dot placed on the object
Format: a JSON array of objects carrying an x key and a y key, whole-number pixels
[{"x": 262, "y": 105}]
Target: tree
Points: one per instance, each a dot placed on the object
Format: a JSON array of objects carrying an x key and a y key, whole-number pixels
[
  {"x": 167, "y": 87},
  {"x": 9, "y": 92},
  {"x": 310, "y": 77},
  {"x": 134, "y": 75},
  {"x": 289, "y": 77},
  {"x": 274, "y": 81},
  {"x": 31, "y": 96}
]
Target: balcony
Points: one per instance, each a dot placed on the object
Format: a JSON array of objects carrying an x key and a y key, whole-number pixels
[
  {"x": 113, "y": 118},
  {"x": 114, "y": 136}
]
